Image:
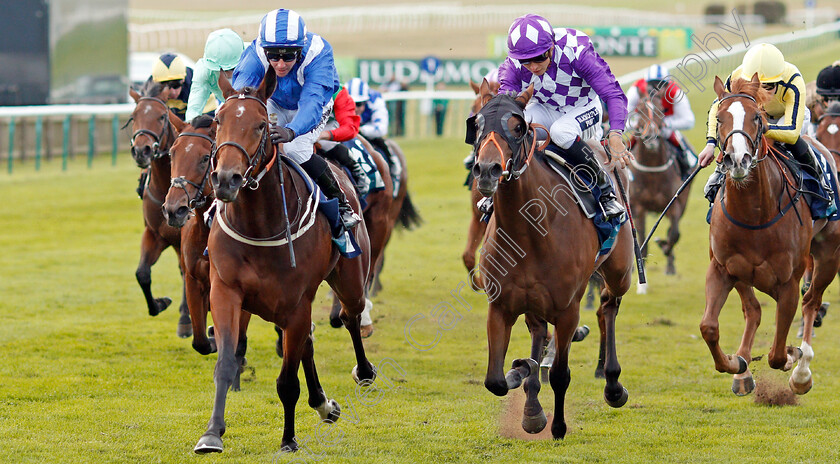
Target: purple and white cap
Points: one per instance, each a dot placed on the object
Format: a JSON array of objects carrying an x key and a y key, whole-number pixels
[{"x": 529, "y": 36}]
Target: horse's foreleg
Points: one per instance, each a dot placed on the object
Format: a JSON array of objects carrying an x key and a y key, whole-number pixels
[
  {"x": 560, "y": 376},
  {"x": 197, "y": 297},
  {"x": 226, "y": 305},
  {"x": 150, "y": 249},
  {"x": 184, "y": 323},
  {"x": 241, "y": 348},
  {"x": 782, "y": 356},
  {"x": 498, "y": 338},
  {"x": 743, "y": 383},
  {"x": 474, "y": 237},
  {"x": 614, "y": 393},
  {"x": 288, "y": 386},
  {"x": 534, "y": 420},
  {"x": 718, "y": 286},
  {"x": 327, "y": 409},
  {"x": 673, "y": 237}
]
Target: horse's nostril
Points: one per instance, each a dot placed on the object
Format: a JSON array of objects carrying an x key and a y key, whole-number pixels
[
  {"x": 182, "y": 211},
  {"x": 236, "y": 181},
  {"x": 214, "y": 180},
  {"x": 496, "y": 170}
]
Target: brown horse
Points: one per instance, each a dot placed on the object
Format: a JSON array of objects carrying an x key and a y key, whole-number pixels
[
  {"x": 756, "y": 243},
  {"x": 250, "y": 260},
  {"x": 154, "y": 132},
  {"x": 656, "y": 175},
  {"x": 552, "y": 262},
  {"x": 189, "y": 197}
]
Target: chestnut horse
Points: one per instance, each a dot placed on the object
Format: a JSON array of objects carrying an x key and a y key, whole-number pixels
[
  {"x": 250, "y": 261},
  {"x": 656, "y": 174},
  {"x": 760, "y": 237},
  {"x": 154, "y": 132},
  {"x": 189, "y": 197},
  {"x": 556, "y": 262}
]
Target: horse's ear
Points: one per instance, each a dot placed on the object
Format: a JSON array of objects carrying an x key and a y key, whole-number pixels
[
  {"x": 494, "y": 87},
  {"x": 225, "y": 86},
  {"x": 523, "y": 98},
  {"x": 212, "y": 132},
  {"x": 134, "y": 95},
  {"x": 755, "y": 79},
  {"x": 268, "y": 84},
  {"x": 484, "y": 88},
  {"x": 718, "y": 86},
  {"x": 474, "y": 86},
  {"x": 179, "y": 125}
]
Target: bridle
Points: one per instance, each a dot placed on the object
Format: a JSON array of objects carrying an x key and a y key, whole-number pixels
[
  {"x": 181, "y": 182},
  {"x": 255, "y": 159},
  {"x": 755, "y": 141},
  {"x": 156, "y": 137}
]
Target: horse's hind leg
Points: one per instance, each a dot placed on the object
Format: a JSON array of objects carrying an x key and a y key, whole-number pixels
[
  {"x": 614, "y": 393},
  {"x": 197, "y": 298},
  {"x": 743, "y": 383},
  {"x": 150, "y": 250},
  {"x": 184, "y": 323},
  {"x": 348, "y": 285},
  {"x": 782, "y": 356},
  {"x": 534, "y": 420},
  {"x": 327, "y": 409},
  {"x": 241, "y": 348}
]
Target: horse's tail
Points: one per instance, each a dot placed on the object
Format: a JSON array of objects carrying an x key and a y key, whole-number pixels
[{"x": 409, "y": 217}]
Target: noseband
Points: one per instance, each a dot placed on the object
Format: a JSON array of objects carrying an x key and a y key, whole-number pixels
[
  {"x": 181, "y": 182},
  {"x": 156, "y": 137},
  {"x": 754, "y": 141},
  {"x": 253, "y": 160}
]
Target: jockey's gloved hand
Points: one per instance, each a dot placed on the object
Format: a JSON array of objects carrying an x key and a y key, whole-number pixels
[{"x": 281, "y": 134}]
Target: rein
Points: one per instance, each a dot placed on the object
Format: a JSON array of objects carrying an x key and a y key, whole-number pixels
[
  {"x": 253, "y": 160},
  {"x": 181, "y": 181},
  {"x": 157, "y": 138}
]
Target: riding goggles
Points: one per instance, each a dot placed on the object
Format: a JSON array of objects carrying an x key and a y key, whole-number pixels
[
  {"x": 286, "y": 55},
  {"x": 536, "y": 59},
  {"x": 174, "y": 84}
]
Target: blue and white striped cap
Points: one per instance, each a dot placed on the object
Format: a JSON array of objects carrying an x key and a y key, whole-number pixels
[
  {"x": 656, "y": 73},
  {"x": 358, "y": 90},
  {"x": 282, "y": 28}
]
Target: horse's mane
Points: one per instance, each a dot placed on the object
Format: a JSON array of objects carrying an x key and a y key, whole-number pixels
[
  {"x": 201, "y": 121},
  {"x": 752, "y": 89},
  {"x": 151, "y": 89}
]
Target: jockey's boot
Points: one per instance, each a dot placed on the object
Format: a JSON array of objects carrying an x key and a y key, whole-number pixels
[
  {"x": 808, "y": 159},
  {"x": 317, "y": 168},
  {"x": 341, "y": 154},
  {"x": 683, "y": 153},
  {"x": 580, "y": 154},
  {"x": 713, "y": 184}
]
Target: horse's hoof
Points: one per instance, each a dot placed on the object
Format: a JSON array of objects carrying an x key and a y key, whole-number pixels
[
  {"x": 208, "y": 444},
  {"x": 160, "y": 305},
  {"x": 801, "y": 389},
  {"x": 355, "y": 374},
  {"x": 534, "y": 424},
  {"x": 743, "y": 387},
  {"x": 366, "y": 331},
  {"x": 599, "y": 373},
  {"x": 185, "y": 330},
  {"x": 742, "y": 365},
  {"x": 823, "y": 309},
  {"x": 290, "y": 447},
  {"x": 670, "y": 270},
  {"x": 334, "y": 414},
  {"x": 580, "y": 333},
  {"x": 620, "y": 401},
  {"x": 336, "y": 323}
]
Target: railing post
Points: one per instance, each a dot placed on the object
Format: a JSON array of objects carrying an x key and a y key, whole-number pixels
[
  {"x": 91, "y": 139},
  {"x": 39, "y": 129},
  {"x": 115, "y": 128},
  {"x": 11, "y": 142},
  {"x": 65, "y": 142}
]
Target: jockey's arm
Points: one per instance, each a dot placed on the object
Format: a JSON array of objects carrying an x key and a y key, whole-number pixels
[
  {"x": 632, "y": 98},
  {"x": 788, "y": 128},
  {"x": 378, "y": 125},
  {"x": 597, "y": 74},
  {"x": 683, "y": 117},
  {"x": 250, "y": 70},
  {"x": 348, "y": 121},
  {"x": 320, "y": 82},
  {"x": 509, "y": 81},
  {"x": 200, "y": 92}
]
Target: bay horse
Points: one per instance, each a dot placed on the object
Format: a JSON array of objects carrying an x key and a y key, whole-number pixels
[
  {"x": 155, "y": 129},
  {"x": 250, "y": 262},
  {"x": 656, "y": 174},
  {"x": 189, "y": 197},
  {"x": 756, "y": 243},
  {"x": 555, "y": 262}
]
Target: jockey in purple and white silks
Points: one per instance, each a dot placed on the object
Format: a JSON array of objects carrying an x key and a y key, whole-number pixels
[
  {"x": 569, "y": 80},
  {"x": 302, "y": 100}
]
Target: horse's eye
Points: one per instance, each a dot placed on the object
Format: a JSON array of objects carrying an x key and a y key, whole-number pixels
[
  {"x": 262, "y": 125},
  {"x": 205, "y": 159}
]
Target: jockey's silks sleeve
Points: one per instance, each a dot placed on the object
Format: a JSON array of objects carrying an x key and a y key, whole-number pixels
[
  {"x": 344, "y": 110},
  {"x": 597, "y": 73}
]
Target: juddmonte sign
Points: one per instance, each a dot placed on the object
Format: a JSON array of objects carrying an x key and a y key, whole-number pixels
[{"x": 450, "y": 71}]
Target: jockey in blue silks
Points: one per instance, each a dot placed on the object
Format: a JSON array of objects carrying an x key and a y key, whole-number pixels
[{"x": 302, "y": 101}]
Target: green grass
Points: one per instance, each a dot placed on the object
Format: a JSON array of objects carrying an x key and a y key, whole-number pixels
[{"x": 89, "y": 377}]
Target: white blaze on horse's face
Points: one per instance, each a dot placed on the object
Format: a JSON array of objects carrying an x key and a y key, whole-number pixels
[
  {"x": 738, "y": 142},
  {"x": 239, "y": 111}
]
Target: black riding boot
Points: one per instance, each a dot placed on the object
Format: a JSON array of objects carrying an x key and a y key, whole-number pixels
[
  {"x": 341, "y": 154},
  {"x": 803, "y": 154},
  {"x": 580, "y": 154},
  {"x": 317, "y": 168}
]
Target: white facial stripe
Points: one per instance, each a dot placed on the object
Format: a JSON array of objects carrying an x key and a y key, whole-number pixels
[
  {"x": 832, "y": 129},
  {"x": 239, "y": 110},
  {"x": 148, "y": 108},
  {"x": 739, "y": 142},
  {"x": 189, "y": 147}
]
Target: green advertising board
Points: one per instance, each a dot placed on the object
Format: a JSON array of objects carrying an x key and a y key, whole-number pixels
[
  {"x": 661, "y": 42},
  {"x": 450, "y": 71}
]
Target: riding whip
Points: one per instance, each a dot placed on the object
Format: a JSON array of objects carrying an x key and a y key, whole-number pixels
[
  {"x": 637, "y": 251},
  {"x": 679, "y": 190},
  {"x": 272, "y": 118}
]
